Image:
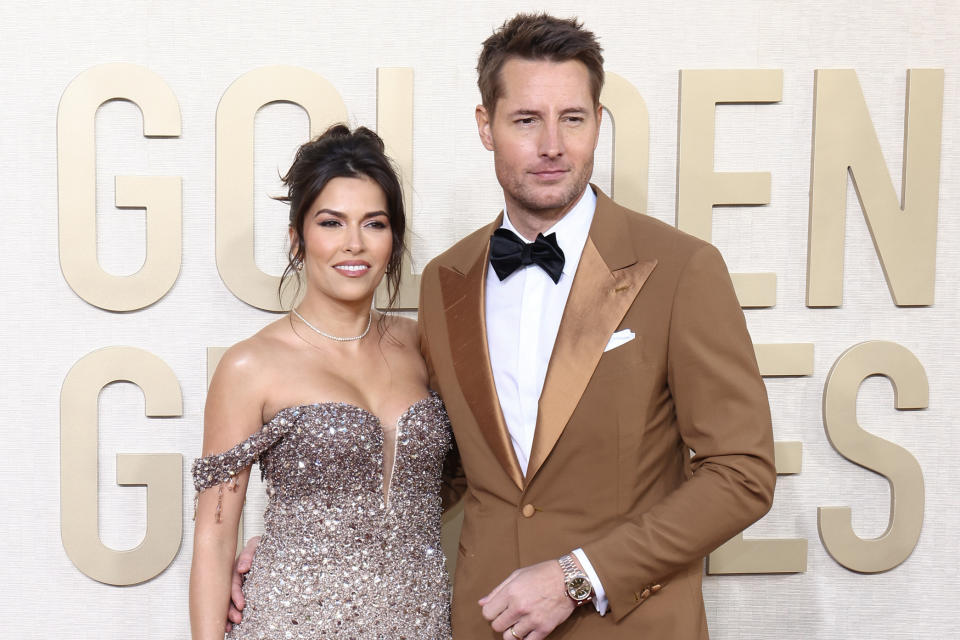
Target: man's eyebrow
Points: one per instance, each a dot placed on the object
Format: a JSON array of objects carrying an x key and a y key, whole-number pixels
[
  {"x": 525, "y": 112},
  {"x": 535, "y": 112}
]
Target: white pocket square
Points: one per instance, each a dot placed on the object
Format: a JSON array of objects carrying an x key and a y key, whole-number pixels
[{"x": 619, "y": 338}]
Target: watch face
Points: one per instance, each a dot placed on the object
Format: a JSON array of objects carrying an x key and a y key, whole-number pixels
[{"x": 579, "y": 588}]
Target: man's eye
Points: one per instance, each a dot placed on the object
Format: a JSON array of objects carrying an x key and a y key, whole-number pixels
[{"x": 526, "y": 120}]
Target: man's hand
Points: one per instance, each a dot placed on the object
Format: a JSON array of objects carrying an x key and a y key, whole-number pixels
[
  {"x": 529, "y": 604},
  {"x": 240, "y": 569}
]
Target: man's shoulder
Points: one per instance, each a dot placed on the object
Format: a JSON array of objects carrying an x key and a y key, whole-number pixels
[
  {"x": 464, "y": 253},
  {"x": 652, "y": 237}
]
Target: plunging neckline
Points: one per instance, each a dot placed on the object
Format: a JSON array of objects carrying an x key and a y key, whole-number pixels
[{"x": 386, "y": 483}]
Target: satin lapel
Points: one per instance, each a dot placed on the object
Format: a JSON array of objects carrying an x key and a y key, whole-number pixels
[
  {"x": 599, "y": 298},
  {"x": 463, "y": 296}
]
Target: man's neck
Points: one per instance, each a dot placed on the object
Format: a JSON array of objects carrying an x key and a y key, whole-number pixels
[{"x": 530, "y": 223}]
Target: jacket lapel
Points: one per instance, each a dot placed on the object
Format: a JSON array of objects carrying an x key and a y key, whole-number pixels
[
  {"x": 607, "y": 281},
  {"x": 463, "y": 287}
]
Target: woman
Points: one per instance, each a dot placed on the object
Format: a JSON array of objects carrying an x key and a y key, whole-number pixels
[{"x": 334, "y": 405}]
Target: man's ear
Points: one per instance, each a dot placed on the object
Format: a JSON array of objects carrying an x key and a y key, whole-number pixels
[
  {"x": 599, "y": 122},
  {"x": 483, "y": 127}
]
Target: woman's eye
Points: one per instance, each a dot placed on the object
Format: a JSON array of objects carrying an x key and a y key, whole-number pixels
[
  {"x": 329, "y": 223},
  {"x": 377, "y": 224}
]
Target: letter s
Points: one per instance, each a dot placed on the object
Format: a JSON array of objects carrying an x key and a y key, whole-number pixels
[{"x": 895, "y": 463}]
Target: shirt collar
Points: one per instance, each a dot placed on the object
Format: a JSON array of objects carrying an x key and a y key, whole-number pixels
[{"x": 572, "y": 229}]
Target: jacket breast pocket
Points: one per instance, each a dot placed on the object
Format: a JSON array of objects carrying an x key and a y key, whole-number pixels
[{"x": 623, "y": 361}]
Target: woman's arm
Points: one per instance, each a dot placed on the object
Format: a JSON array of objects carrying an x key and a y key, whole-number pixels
[
  {"x": 214, "y": 546},
  {"x": 233, "y": 412}
]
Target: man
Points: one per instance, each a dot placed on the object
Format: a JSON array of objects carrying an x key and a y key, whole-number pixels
[
  {"x": 583, "y": 352},
  {"x": 577, "y": 396}
]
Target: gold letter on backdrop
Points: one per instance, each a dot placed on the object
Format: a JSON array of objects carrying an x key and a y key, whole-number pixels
[
  {"x": 395, "y": 126},
  {"x": 631, "y": 141},
  {"x": 699, "y": 187},
  {"x": 162, "y": 473},
  {"x": 895, "y": 463},
  {"x": 77, "y": 183},
  {"x": 235, "y": 206},
  {"x": 904, "y": 234},
  {"x": 780, "y": 555}
]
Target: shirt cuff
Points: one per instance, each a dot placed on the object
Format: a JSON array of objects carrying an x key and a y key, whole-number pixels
[{"x": 599, "y": 595}]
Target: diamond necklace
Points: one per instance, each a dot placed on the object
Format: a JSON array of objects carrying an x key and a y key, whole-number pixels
[{"x": 337, "y": 338}]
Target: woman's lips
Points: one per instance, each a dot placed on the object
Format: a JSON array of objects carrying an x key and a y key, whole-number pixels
[{"x": 352, "y": 269}]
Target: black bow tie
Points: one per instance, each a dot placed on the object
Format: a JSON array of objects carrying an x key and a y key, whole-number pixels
[{"x": 509, "y": 253}]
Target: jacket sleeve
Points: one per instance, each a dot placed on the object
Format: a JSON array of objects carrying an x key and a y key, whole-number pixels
[{"x": 723, "y": 417}]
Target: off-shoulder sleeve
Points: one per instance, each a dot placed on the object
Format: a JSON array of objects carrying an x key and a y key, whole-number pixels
[{"x": 219, "y": 468}]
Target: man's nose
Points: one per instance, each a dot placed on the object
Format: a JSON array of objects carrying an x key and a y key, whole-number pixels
[{"x": 551, "y": 141}]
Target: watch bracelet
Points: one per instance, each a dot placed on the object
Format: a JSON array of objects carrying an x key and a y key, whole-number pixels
[{"x": 571, "y": 571}]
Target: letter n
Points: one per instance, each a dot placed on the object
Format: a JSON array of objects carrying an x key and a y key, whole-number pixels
[{"x": 904, "y": 232}]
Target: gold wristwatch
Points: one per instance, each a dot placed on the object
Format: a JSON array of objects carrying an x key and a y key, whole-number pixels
[{"x": 575, "y": 582}]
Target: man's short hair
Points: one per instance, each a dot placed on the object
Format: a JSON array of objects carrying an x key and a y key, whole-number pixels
[{"x": 537, "y": 37}]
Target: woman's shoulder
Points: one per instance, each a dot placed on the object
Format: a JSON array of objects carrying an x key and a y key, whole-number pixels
[
  {"x": 402, "y": 334},
  {"x": 403, "y": 328},
  {"x": 253, "y": 357}
]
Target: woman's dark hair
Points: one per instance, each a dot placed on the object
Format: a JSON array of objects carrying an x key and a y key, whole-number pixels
[{"x": 341, "y": 153}]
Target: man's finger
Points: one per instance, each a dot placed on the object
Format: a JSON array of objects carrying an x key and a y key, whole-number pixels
[
  {"x": 505, "y": 621},
  {"x": 234, "y": 615},
  {"x": 485, "y": 599},
  {"x": 518, "y": 630},
  {"x": 492, "y": 609},
  {"x": 496, "y": 606},
  {"x": 240, "y": 567},
  {"x": 236, "y": 590},
  {"x": 245, "y": 559}
]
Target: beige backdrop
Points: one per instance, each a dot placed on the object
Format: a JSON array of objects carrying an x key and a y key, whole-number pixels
[{"x": 200, "y": 49}]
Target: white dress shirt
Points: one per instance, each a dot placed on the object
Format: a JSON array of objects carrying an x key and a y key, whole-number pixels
[{"x": 523, "y": 315}]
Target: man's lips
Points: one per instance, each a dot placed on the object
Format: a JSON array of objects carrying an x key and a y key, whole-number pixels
[{"x": 550, "y": 174}]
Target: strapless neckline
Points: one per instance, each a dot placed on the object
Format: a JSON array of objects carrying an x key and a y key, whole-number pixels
[
  {"x": 386, "y": 479},
  {"x": 432, "y": 396}
]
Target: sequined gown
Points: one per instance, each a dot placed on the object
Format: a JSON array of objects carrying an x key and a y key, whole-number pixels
[{"x": 335, "y": 560}]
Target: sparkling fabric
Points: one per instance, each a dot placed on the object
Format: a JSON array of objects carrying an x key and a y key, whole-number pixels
[{"x": 336, "y": 560}]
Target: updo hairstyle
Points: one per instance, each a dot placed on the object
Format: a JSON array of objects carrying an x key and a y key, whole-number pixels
[{"x": 341, "y": 153}]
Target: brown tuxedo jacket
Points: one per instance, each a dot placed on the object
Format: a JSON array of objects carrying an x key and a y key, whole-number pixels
[{"x": 648, "y": 455}]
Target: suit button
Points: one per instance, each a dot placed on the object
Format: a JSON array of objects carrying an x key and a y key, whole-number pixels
[{"x": 528, "y": 510}]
